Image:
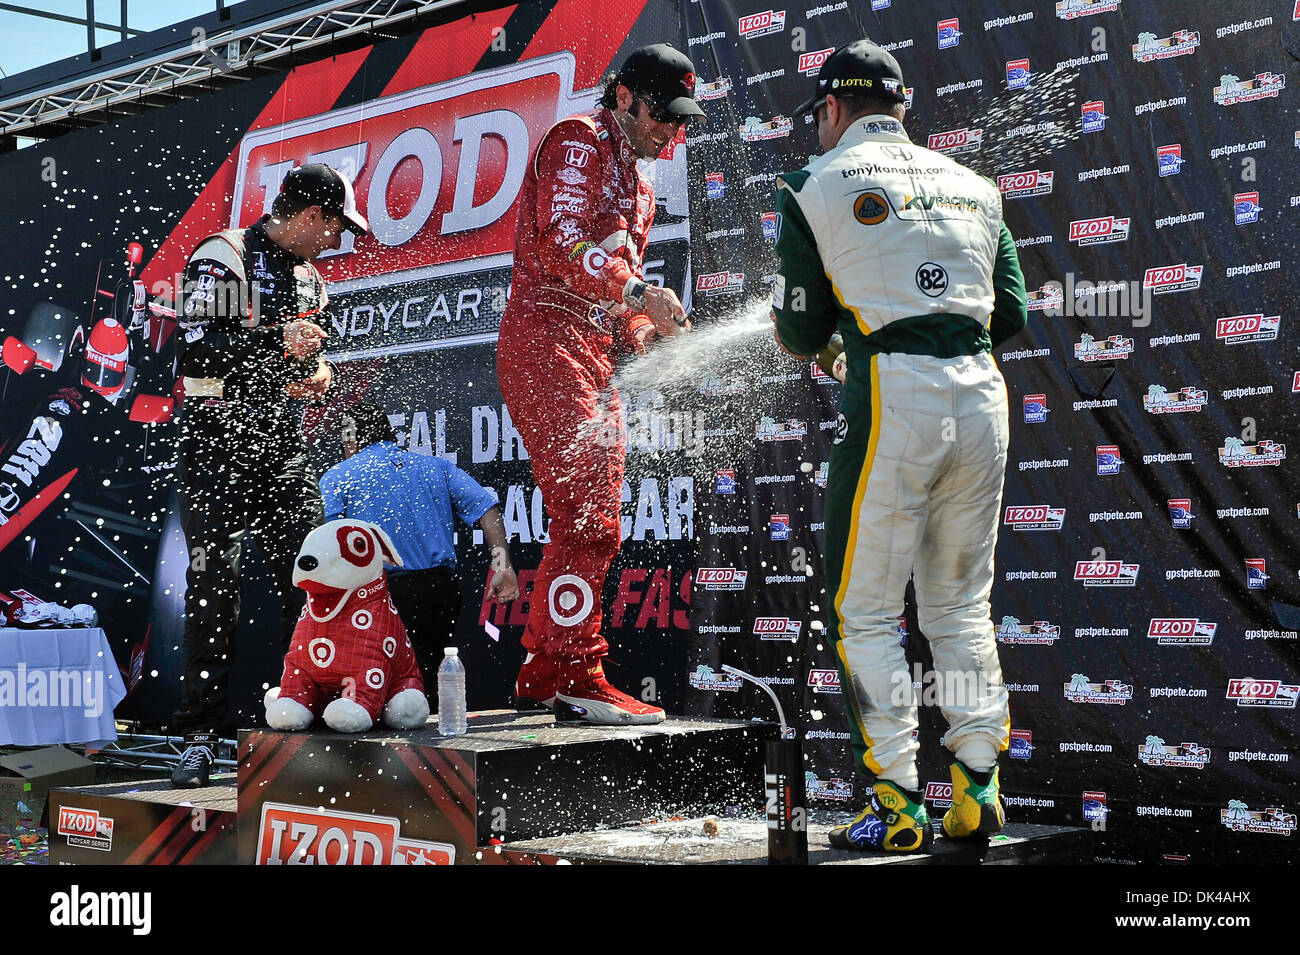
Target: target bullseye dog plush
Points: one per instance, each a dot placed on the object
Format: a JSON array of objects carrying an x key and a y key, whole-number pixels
[{"x": 350, "y": 661}]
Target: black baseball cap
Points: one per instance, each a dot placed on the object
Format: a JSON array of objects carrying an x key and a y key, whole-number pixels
[
  {"x": 861, "y": 67},
  {"x": 317, "y": 184},
  {"x": 666, "y": 75}
]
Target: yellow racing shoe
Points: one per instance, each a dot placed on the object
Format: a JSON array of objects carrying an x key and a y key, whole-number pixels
[
  {"x": 892, "y": 822},
  {"x": 976, "y": 804}
]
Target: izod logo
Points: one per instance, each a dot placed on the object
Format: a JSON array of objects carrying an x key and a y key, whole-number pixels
[
  {"x": 296, "y": 835},
  {"x": 811, "y": 63}
]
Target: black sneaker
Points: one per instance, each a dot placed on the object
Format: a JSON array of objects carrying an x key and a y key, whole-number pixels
[{"x": 196, "y": 761}]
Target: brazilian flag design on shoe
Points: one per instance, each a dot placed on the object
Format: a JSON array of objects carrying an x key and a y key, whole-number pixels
[
  {"x": 976, "y": 807},
  {"x": 892, "y": 822}
]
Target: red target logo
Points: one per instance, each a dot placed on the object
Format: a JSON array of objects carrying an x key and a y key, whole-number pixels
[
  {"x": 321, "y": 651},
  {"x": 390, "y": 646},
  {"x": 356, "y": 544},
  {"x": 570, "y": 600},
  {"x": 375, "y": 678},
  {"x": 362, "y": 619}
]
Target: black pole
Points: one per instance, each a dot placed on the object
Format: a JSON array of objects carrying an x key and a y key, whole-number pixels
[
  {"x": 123, "y": 19},
  {"x": 90, "y": 27}
]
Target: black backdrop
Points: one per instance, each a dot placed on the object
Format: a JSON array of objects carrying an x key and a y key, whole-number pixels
[{"x": 1190, "y": 758}]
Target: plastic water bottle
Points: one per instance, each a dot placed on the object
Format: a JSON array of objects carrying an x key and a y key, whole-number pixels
[{"x": 451, "y": 694}]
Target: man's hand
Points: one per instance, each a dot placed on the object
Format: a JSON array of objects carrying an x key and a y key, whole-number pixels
[
  {"x": 504, "y": 586},
  {"x": 665, "y": 310},
  {"x": 642, "y": 338},
  {"x": 314, "y": 387},
  {"x": 303, "y": 338}
]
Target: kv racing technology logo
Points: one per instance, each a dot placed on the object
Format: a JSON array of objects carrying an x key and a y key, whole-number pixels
[
  {"x": 1236, "y": 453},
  {"x": 1149, "y": 47},
  {"x": 762, "y": 24},
  {"x": 1038, "y": 633},
  {"x": 1271, "y": 693},
  {"x": 1106, "y": 573},
  {"x": 1233, "y": 90},
  {"x": 85, "y": 828},
  {"x": 296, "y": 835},
  {"x": 1037, "y": 517},
  {"x": 1032, "y": 182},
  {"x": 1018, "y": 74},
  {"x": 721, "y": 578},
  {"x": 810, "y": 64},
  {"x": 719, "y": 283},
  {"x": 1180, "y": 513},
  {"x": 1273, "y": 821},
  {"x": 949, "y": 33},
  {"x": 1160, "y": 401},
  {"x": 1170, "y": 159},
  {"x": 956, "y": 141},
  {"x": 1181, "y": 631},
  {"x": 1111, "y": 693},
  {"x": 1035, "y": 410},
  {"x": 1240, "y": 329},
  {"x": 1099, "y": 231},
  {"x": 824, "y": 681},
  {"x": 1166, "y": 279},
  {"x": 1094, "y": 116},
  {"x": 1108, "y": 349},
  {"x": 777, "y": 628},
  {"x": 1154, "y": 752},
  {"x": 1246, "y": 208},
  {"x": 1073, "y": 9}
]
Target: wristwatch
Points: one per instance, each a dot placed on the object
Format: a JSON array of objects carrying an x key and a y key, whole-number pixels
[{"x": 634, "y": 293}]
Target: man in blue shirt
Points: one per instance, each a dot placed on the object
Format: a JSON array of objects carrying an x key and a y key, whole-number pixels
[{"x": 415, "y": 498}]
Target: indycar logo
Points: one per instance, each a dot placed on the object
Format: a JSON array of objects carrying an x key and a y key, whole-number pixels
[
  {"x": 771, "y": 225},
  {"x": 726, "y": 481},
  {"x": 761, "y": 24},
  {"x": 85, "y": 828},
  {"x": 1149, "y": 48},
  {"x": 715, "y": 185},
  {"x": 1072, "y": 9},
  {"x": 1160, "y": 401},
  {"x": 1180, "y": 513},
  {"x": 1183, "y": 756},
  {"x": 1018, "y": 74},
  {"x": 1022, "y": 744},
  {"x": 296, "y": 835},
  {"x": 1038, "y": 517},
  {"x": 1109, "y": 460},
  {"x": 824, "y": 681},
  {"x": 1246, "y": 208},
  {"x": 1094, "y": 116},
  {"x": 949, "y": 33},
  {"x": 719, "y": 283},
  {"x": 777, "y": 628},
  {"x": 1269, "y": 693},
  {"x": 1111, "y": 693},
  {"x": 956, "y": 141},
  {"x": 1169, "y": 159},
  {"x": 810, "y": 64},
  {"x": 1032, "y": 182},
  {"x": 1239, "y": 329},
  {"x": 1235, "y": 453},
  {"x": 756, "y": 130},
  {"x": 705, "y": 678},
  {"x": 721, "y": 578},
  {"x": 1164, "y": 279},
  {"x": 1256, "y": 578},
  {"x": 1273, "y": 821},
  {"x": 1112, "y": 348},
  {"x": 715, "y": 90},
  {"x": 1035, "y": 409},
  {"x": 1040, "y": 632},
  {"x": 823, "y": 474},
  {"x": 1106, "y": 573},
  {"x": 1099, "y": 231},
  {"x": 779, "y": 527},
  {"x": 1181, "y": 631},
  {"x": 1233, "y": 90}
]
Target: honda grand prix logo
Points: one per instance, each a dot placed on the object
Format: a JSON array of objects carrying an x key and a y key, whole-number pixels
[
  {"x": 1099, "y": 231},
  {"x": 85, "y": 828},
  {"x": 471, "y": 137},
  {"x": 1037, "y": 517},
  {"x": 1031, "y": 182},
  {"x": 1106, "y": 573},
  {"x": 1181, "y": 631},
  {"x": 296, "y": 835},
  {"x": 956, "y": 141}
]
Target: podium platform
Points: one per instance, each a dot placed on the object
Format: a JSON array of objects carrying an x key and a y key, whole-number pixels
[{"x": 517, "y": 789}]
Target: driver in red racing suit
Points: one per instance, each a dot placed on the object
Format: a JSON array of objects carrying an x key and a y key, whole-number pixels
[{"x": 578, "y": 296}]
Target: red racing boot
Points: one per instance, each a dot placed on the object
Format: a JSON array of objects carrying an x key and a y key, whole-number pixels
[
  {"x": 583, "y": 695},
  {"x": 535, "y": 685}
]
